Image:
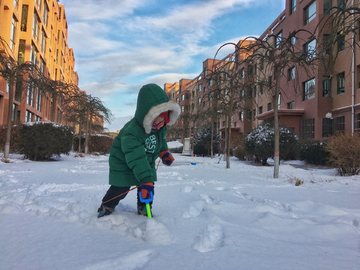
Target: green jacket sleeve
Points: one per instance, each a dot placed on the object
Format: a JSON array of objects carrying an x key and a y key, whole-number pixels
[{"x": 136, "y": 158}]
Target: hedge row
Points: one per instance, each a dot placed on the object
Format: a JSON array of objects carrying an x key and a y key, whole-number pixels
[{"x": 41, "y": 141}]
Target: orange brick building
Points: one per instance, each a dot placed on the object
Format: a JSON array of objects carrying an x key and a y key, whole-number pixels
[
  {"x": 315, "y": 107},
  {"x": 36, "y": 31}
]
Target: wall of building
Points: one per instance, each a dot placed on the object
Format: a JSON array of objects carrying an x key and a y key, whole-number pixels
[
  {"x": 36, "y": 31},
  {"x": 341, "y": 110}
]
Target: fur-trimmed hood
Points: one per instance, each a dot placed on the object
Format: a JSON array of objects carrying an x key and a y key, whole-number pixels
[{"x": 152, "y": 100}]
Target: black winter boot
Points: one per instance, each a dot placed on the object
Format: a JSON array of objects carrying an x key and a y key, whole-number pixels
[{"x": 105, "y": 210}]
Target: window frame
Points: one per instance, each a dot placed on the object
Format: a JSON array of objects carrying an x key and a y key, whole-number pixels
[
  {"x": 307, "y": 93},
  {"x": 310, "y": 16},
  {"x": 341, "y": 83}
]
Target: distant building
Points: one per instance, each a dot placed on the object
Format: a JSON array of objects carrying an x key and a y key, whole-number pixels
[
  {"x": 317, "y": 107},
  {"x": 36, "y": 31}
]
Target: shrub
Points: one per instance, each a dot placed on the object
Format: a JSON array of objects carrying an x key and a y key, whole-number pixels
[
  {"x": 239, "y": 147},
  {"x": 14, "y": 147},
  {"x": 344, "y": 152},
  {"x": 202, "y": 142},
  {"x": 97, "y": 143},
  {"x": 41, "y": 141},
  {"x": 100, "y": 143},
  {"x": 260, "y": 143},
  {"x": 313, "y": 152}
]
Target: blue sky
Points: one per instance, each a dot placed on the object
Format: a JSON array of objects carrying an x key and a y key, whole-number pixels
[{"x": 120, "y": 45}]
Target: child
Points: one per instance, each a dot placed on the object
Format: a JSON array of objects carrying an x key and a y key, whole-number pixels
[{"x": 134, "y": 151}]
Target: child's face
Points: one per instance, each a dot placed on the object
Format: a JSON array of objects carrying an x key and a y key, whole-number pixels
[{"x": 158, "y": 120}]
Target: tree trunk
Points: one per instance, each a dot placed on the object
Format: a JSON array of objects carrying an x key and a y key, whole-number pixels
[
  {"x": 228, "y": 149},
  {"x": 80, "y": 137},
  {"x": 9, "y": 120},
  {"x": 276, "y": 125},
  {"x": 53, "y": 109},
  {"x": 212, "y": 136},
  {"x": 87, "y": 133}
]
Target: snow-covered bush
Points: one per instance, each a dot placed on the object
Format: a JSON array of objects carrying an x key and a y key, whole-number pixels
[
  {"x": 98, "y": 143},
  {"x": 41, "y": 141},
  {"x": 260, "y": 143},
  {"x": 313, "y": 152},
  {"x": 344, "y": 152},
  {"x": 14, "y": 138},
  {"x": 202, "y": 142}
]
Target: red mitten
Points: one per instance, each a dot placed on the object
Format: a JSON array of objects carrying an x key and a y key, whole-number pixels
[
  {"x": 167, "y": 157},
  {"x": 145, "y": 190}
]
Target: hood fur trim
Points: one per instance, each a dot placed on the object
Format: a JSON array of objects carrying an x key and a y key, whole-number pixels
[{"x": 154, "y": 112}]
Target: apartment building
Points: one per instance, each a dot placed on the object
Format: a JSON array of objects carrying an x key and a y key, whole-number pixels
[
  {"x": 313, "y": 104},
  {"x": 36, "y": 31}
]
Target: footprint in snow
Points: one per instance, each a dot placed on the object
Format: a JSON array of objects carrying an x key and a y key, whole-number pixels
[{"x": 211, "y": 239}]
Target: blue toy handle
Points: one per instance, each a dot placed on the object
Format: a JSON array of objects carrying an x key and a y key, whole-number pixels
[{"x": 146, "y": 200}]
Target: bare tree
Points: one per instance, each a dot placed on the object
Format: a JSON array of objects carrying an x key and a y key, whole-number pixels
[{"x": 19, "y": 76}]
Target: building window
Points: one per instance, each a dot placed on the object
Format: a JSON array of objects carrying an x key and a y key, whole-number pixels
[
  {"x": 309, "y": 89},
  {"x": 13, "y": 34},
  {"x": 261, "y": 110},
  {"x": 241, "y": 116},
  {"x": 43, "y": 42},
  {"x": 341, "y": 3},
  {"x": 182, "y": 109},
  {"x": 199, "y": 87},
  {"x": 30, "y": 95},
  {"x": 21, "y": 54},
  {"x": 248, "y": 115},
  {"x": 45, "y": 15},
  {"x": 38, "y": 100},
  {"x": 37, "y": 118},
  {"x": 36, "y": 26},
  {"x": 327, "y": 127},
  {"x": 307, "y": 128},
  {"x": 341, "y": 83},
  {"x": 16, "y": 4},
  {"x": 182, "y": 97},
  {"x": 310, "y": 12},
  {"x": 250, "y": 70},
  {"x": 33, "y": 54},
  {"x": 327, "y": 7},
  {"x": 293, "y": 6},
  {"x": 339, "y": 123},
  {"x": 204, "y": 89},
  {"x": 269, "y": 106},
  {"x": 28, "y": 116},
  {"x": 326, "y": 86},
  {"x": 278, "y": 40},
  {"x": 261, "y": 90},
  {"x": 310, "y": 50},
  {"x": 291, "y": 74},
  {"x": 24, "y": 17},
  {"x": 357, "y": 121},
  {"x": 340, "y": 40},
  {"x": 16, "y": 114},
  {"x": 326, "y": 44},
  {"x": 291, "y": 105},
  {"x": 242, "y": 72},
  {"x": 249, "y": 93},
  {"x": 199, "y": 100},
  {"x": 292, "y": 40}
]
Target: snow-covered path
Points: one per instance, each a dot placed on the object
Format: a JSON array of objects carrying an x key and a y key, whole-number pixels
[{"x": 206, "y": 217}]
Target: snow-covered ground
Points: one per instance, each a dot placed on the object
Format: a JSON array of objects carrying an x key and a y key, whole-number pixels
[{"x": 206, "y": 217}]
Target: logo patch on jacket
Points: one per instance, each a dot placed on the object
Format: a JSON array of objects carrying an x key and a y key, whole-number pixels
[{"x": 150, "y": 144}]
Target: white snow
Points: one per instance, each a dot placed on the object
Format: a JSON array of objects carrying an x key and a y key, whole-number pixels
[{"x": 205, "y": 217}]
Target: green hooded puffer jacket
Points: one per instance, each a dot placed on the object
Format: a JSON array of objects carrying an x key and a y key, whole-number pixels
[{"x": 137, "y": 146}]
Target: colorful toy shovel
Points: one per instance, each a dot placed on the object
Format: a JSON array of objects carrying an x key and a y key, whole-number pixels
[{"x": 147, "y": 202}]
